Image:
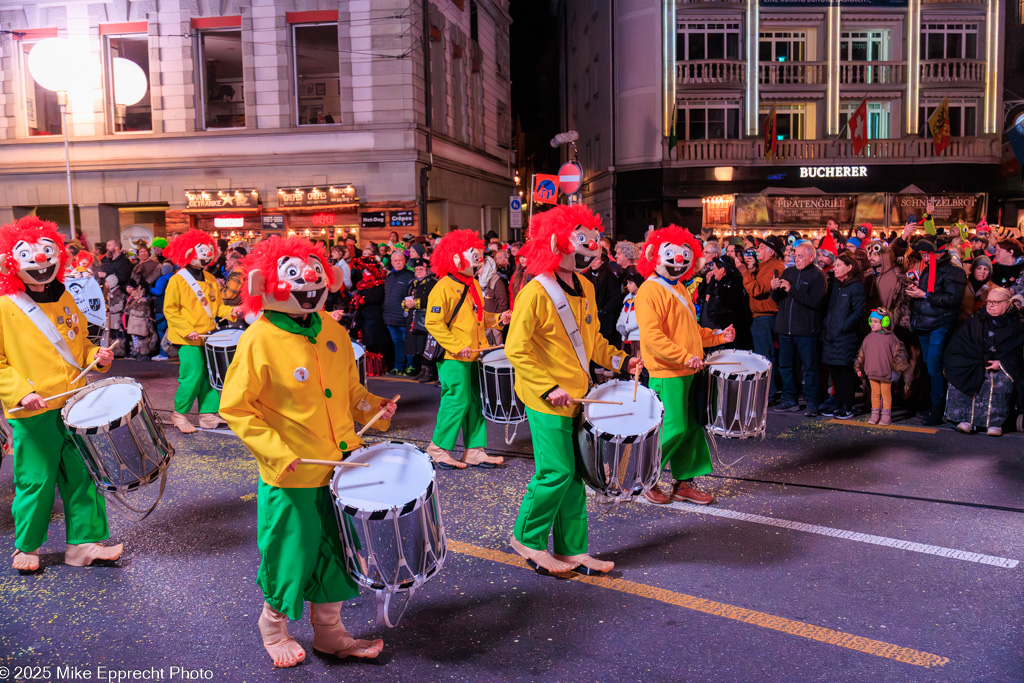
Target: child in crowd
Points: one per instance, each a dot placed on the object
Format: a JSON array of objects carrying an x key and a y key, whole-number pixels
[
  {"x": 115, "y": 307},
  {"x": 138, "y": 323},
  {"x": 627, "y": 325},
  {"x": 882, "y": 359}
]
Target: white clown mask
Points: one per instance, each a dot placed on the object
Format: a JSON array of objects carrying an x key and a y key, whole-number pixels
[
  {"x": 469, "y": 261},
  {"x": 586, "y": 248},
  {"x": 301, "y": 286},
  {"x": 202, "y": 255},
  {"x": 673, "y": 260},
  {"x": 37, "y": 261}
]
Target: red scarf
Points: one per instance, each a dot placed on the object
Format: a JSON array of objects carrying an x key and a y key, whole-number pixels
[
  {"x": 474, "y": 292},
  {"x": 931, "y": 271}
]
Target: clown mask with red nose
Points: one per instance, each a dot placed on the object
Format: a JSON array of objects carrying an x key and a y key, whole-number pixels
[
  {"x": 38, "y": 261},
  {"x": 300, "y": 289},
  {"x": 673, "y": 260},
  {"x": 202, "y": 255},
  {"x": 586, "y": 248},
  {"x": 469, "y": 261}
]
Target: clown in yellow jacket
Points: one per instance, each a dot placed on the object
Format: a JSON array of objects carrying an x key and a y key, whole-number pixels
[
  {"x": 192, "y": 305},
  {"x": 43, "y": 347},
  {"x": 553, "y": 337},
  {"x": 291, "y": 392},
  {"x": 672, "y": 347},
  {"x": 457, "y": 320}
]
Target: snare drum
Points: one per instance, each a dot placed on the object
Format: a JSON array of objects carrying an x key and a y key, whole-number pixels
[
  {"x": 120, "y": 438},
  {"x": 359, "y": 351},
  {"x": 620, "y": 445},
  {"x": 738, "y": 394},
  {"x": 497, "y": 389},
  {"x": 220, "y": 349},
  {"x": 389, "y": 515}
]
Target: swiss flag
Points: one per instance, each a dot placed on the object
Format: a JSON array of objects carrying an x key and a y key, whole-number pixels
[{"x": 859, "y": 127}]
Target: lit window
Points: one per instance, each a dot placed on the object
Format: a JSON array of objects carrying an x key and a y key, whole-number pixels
[
  {"x": 317, "y": 81},
  {"x": 42, "y": 113},
  {"x": 127, "y": 77}
]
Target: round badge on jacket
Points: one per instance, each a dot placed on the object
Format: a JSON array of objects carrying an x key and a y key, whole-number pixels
[{"x": 301, "y": 374}]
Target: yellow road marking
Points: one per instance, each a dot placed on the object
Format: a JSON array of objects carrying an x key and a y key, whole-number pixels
[
  {"x": 719, "y": 609},
  {"x": 895, "y": 428}
]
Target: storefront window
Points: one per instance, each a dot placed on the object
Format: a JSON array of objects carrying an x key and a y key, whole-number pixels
[
  {"x": 317, "y": 79},
  {"x": 696, "y": 42},
  {"x": 220, "y": 53},
  {"x": 963, "y": 118},
  {"x": 718, "y": 121},
  {"x": 782, "y": 46},
  {"x": 950, "y": 41},
  {"x": 125, "y": 84},
  {"x": 42, "y": 113}
]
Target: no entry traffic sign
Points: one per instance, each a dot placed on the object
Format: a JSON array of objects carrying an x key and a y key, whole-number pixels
[{"x": 570, "y": 177}]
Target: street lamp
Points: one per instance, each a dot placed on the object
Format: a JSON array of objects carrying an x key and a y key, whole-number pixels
[
  {"x": 54, "y": 64},
  {"x": 129, "y": 86}
]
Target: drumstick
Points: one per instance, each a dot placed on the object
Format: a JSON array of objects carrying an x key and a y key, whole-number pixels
[
  {"x": 594, "y": 400},
  {"x": 93, "y": 364},
  {"x": 377, "y": 416},
  {"x": 722, "y": 363},
  {"x": 48, "y": 399},
  {"x": 488, "y": 348},
  {"x": 636, "y": 380},
  {"x": 331, "y": 463}
]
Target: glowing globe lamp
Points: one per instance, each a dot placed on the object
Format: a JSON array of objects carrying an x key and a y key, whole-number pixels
[{"x": 130, "y": 83}]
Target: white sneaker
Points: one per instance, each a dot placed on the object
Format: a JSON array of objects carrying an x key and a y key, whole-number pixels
[
  {"x": 161, "y": 356},
  {"x": 995, "y": 431},
  {"x": 965, "y": 427}
]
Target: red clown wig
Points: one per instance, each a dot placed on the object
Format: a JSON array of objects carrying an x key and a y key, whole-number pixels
[
  {"x": 265, "y": 257},
  {"x": 455, "y": 243},
  {"x": 557, "y": 223},
  {"x": 181, "y": 249},
  {"x": 29, "y": 229},
  {"x": 650, "y": 253}
]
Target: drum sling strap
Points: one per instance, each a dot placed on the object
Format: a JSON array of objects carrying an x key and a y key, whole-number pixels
[
  {"x": 191, "y": 282},
  {"x": 672, "y": 290},
  {"x": 39, "y": 318},
  {"x": 564, "y": 311}
]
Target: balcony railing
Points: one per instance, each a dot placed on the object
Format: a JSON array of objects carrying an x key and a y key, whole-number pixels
[
  {"x": 711, "y": 71},
  {"x": 803, "y": 152},
  {"x": 872, "y": 73},
  {"x": 955, "y": 2},
  {"x": 953, "y": 71},
  {"x": 792, "y": 73}
]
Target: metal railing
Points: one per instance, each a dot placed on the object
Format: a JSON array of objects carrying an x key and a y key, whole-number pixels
[
  {"x": 711, "y": 71},
  {"x": 792, "y": 73},
  {"x": 872, "y": 73},
  {"x": 898, "y": 150},
  {"x": 953, "y": 71}
]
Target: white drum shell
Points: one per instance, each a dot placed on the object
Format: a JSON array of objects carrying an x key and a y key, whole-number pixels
[
  {"x": 622, "y": 466},
  {"x": 498, "y": 396},
  {"x": 738, "y": 395},
  {"x": 389, "y": 546},
  {"x": 359, "y": 351},
  {"x": 219, "y": 348}
]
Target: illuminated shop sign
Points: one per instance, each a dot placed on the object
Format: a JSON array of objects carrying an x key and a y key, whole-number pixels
[{"x": 833, "y": 171}]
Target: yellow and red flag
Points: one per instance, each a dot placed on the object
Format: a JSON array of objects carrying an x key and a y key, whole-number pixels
[{"x": 938, "y": 126}]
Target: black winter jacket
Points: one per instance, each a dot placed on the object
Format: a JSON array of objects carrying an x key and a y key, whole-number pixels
[
  {"x": 800, "y": 308},
  {"x": 396, "y": 288},
  {"x": 942, "y": 306},
  {"x": 844, "y": 320}
]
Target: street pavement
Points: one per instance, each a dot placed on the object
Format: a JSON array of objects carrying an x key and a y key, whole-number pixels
[{"x": 834, "y": 552}]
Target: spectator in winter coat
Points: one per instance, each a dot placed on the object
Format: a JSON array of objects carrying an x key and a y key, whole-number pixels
[
  {"x": 607, "y": 296},
  {"x": 935, "y": 305},
  {"x": 148, "y": 269},
  {"x": 495, "y": 295},
  {"x": 396, "y": 287},
  {"x": 627, "y": 326},
  {"x": 841, "y": 332},
  {"x": 763, "y": 308},
  {"x": 726, "y": 302},
  {"x": 1007, "y": 267},
  {"x": 416, "y": 302},
  {"x": 800, "y": 293},
  {"x": 881, "y": 359}
]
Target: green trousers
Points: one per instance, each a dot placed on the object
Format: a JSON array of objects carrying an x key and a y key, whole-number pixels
[
  {"x": 555, "y": 498},
  {"x": 683, "y": 444},
  {"x": 461, "y": 408},
  {"x": 302, "y": 557},
  {"x": 45, "y": 455},
  {"x": 194, "y": 382}
]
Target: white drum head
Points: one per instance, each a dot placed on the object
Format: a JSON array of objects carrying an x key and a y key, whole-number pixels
[
  {"x": 749, "y": 363},
  {"x": 100, "y": 405},
  {"x": 630, "y": 418},
  {"x": 222, "y": 338},
  {"x": 397, "y": 474},
  {"x": 496, "y": 359},
  {"x": 358, "y": 350}
]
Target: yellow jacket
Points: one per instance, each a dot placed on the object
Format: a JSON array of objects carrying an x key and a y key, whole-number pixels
[
  {"x": 669, "y": 333},
  {"x": 29, "y": 363},
  {"x": 185, "y": 314},
  {"x": 287, "y": 397},
  {"x": 466, "y": 330},
  {"x": 540, "y": 351}
]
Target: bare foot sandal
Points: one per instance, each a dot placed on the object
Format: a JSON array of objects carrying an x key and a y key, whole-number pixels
[
  {"x": 330, "y": 636},
  {"x": 281, "y": 647},
  {"x": 587, "y": 565},
  {"x": 26, "y": 562},
  {"x": 84, "y": 554},
  {"x": 443, "y": 459},
  {"x": 541, "y": 560}
]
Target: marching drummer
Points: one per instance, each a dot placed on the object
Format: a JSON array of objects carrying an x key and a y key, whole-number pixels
[
  {"x": 672, "y": 346},
  {"x": 292, "y": 392},
  {"x": 192, "y": 305},
  {"x": 457, "y": 320},
  {"x": 43, "y": 351},
  {"x": 553, "y": 337}
]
